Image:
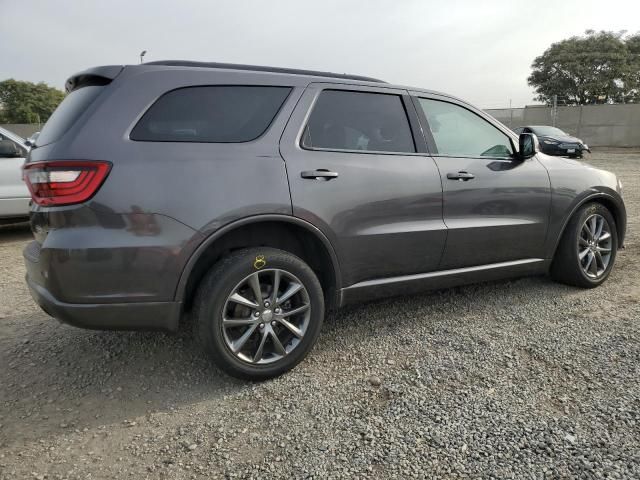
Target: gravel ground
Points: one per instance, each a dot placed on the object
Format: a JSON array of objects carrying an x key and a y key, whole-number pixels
[{"x": 521, "y": 379}]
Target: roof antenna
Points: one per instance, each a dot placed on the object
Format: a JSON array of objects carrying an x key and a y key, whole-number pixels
[{"x": 142, "y": 54}]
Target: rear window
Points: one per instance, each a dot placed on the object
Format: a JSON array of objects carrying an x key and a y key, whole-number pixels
[
  {"x": 213, "y": 114},
  {"x": 67, "y": 113}
]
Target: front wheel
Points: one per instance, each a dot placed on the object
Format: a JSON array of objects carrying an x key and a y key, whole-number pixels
[
  {"x": 259, "y": 312},
  {"x": 587, "y": 249}
]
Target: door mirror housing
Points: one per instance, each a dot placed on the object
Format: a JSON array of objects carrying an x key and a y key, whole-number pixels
[
  {"x": 528, "y": 145},
  {"x": 31, "y": 141}
]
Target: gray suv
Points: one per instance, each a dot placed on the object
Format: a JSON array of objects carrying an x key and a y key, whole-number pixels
[{"x": 256, "y": 199}]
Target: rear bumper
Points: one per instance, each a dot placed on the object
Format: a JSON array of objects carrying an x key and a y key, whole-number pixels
[
  {"x": 109, "y": 316},
  {"x": 99, "y": 316},
  {"x": 14, "y": 207}
]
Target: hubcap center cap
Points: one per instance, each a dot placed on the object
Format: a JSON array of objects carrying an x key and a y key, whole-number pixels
[{"x": 267, "y": 315}]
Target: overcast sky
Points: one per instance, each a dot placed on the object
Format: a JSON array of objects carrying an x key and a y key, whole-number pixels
[{"x": 480, "y": 50}]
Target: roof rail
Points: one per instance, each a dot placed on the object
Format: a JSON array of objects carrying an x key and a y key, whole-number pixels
[{"x": 259, "y": 68}]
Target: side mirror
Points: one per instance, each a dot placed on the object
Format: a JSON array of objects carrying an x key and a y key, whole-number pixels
[
  {"x": 31, "y": 141},
  {"x": 528, "y": 145}
]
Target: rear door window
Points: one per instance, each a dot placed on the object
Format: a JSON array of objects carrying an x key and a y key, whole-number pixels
[
  {"x": 358, "y": 121},
  {"x": 67, "y": 113},
  {"x": 211, "y": 114}
]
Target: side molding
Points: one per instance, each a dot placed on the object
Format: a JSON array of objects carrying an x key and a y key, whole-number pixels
[{"x": 422, "y": 282}]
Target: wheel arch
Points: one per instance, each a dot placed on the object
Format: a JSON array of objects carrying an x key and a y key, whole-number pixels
[
  {"x": 613, "y": 204},
  {"x": 277, "y": 231}
]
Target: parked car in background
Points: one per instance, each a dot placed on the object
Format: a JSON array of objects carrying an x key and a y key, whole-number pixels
[
  {"x": 554, "y": 141},
  {"x": 14, "y": 194},
  {"x": 257, "y": 198}
]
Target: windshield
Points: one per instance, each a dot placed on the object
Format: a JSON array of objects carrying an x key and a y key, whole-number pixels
[{"x": 548, "y": 131}]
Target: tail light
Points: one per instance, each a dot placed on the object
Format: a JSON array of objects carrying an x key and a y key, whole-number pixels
[{"x": 64, "y": 182}]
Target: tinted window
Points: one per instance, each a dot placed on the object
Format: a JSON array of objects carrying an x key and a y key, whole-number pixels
[
  {"x": 459, "y": 132},
  {"x": 220, "y": 114},
  {"x": 67, "y": 113},
  {"x": 343, "y": 120}
]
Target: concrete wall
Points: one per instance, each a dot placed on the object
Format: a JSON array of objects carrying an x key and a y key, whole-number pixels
[
  {"x": 25, "y": 130},
  {"x": 597, "y": 125}
]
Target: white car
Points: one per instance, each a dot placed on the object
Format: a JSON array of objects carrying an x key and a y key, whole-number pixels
[{"x": 14, "y": 194}]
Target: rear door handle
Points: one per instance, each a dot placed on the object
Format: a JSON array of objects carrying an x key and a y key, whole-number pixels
[
  {"x": 318, "y": 174},
  {"x": 461, "y": 176}
]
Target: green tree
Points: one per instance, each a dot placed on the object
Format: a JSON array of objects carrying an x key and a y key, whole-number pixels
[
  {"x": 594, "y": 68},
  {"x": 632, "y": 81},
  {"x": 26, "y": 102}
]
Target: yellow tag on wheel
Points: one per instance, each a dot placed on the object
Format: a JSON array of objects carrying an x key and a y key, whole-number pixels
[{"x": 259, "y": 262}]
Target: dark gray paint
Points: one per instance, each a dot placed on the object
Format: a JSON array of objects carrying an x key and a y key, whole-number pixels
[
  {"x": 383, "y": 213},
  {"x": 140, "y": 237},
  {"x": 498, "y": 216},
  {"x": 408, "y": 284}
]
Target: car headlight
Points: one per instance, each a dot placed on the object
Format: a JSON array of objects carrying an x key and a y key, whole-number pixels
[{"x": 550, "y": 142}]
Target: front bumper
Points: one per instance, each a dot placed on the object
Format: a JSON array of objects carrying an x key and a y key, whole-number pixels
[
  {"x": 99, "y": 316},
  {"x": 560, "y": 150}
]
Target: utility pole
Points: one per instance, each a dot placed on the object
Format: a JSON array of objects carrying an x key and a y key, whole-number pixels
[
  {"x": 510, "y": 115},
  {"x": 142, "y": 54},
  {"x": 554, "y": 110}
]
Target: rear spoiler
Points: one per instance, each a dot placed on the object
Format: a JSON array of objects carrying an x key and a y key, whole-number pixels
[{"x": 93, "y": 76}]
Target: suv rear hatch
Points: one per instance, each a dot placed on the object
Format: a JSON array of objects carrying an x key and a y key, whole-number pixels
[
  {"x": 52, "y": 179},
  {"x": 82, "y": 89}
]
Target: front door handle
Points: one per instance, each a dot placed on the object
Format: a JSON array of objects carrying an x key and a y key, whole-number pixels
[
  {"x": 318, "y": 174},
  {"x": 461, "y": 176}
]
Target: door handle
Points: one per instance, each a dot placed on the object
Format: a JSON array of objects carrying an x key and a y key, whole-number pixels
[
  {"x": 461, "y": 176},
  {"x": 318, "y": 174}
]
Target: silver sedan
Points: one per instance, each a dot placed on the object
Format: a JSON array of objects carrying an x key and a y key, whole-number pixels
[{"x": 14, "y": 195}]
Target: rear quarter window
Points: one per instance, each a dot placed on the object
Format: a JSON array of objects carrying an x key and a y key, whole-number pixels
[
  {"x": 211, "y": 114},
  {"x": 67, "y": 113}
]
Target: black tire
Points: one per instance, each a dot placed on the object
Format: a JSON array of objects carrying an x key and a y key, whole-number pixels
[
  {"x": 566, "y": 267},
  {"x": 220, "y": 282}
]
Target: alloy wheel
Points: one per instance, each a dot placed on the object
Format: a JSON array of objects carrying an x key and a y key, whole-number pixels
[
  {"x": 266, "y": 316},
  {"x": 594, "y": 246}
]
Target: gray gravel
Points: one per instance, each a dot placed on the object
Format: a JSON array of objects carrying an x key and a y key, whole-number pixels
[{"x": 521, "y": 379}]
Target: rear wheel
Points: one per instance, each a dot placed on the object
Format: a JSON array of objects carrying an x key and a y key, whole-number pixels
[
  {"x": 259, "y": 312},
  {"x": 587, "y": 250}
]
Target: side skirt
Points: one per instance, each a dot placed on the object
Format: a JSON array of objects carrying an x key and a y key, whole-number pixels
[{"x": 410, "y": 284}]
